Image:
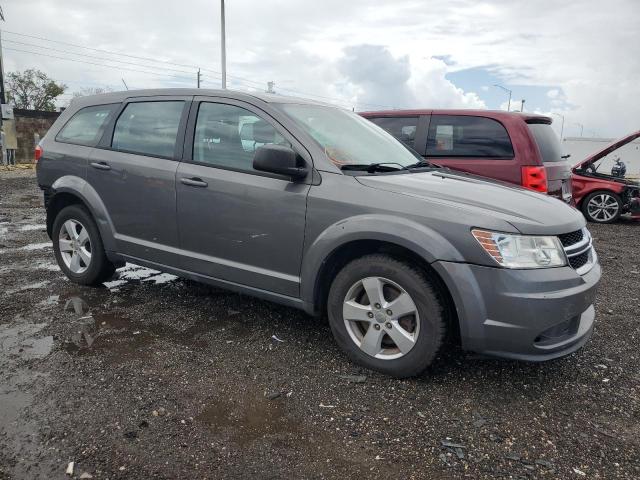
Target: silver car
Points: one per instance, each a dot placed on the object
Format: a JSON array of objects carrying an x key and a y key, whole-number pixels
[{"x": 316, "y": 208}]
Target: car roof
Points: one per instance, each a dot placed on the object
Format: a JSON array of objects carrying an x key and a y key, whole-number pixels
[
  {"x": 112, "y": 97},
  {"x": 497, "y": 114}
]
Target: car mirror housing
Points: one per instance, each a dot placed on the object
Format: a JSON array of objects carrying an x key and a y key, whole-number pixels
[{"x": 279, "y": 159}]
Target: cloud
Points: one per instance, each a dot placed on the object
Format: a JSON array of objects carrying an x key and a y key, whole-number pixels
[
  {"x": 375, "y": 75},
  {"x": 584, "y": 48}
]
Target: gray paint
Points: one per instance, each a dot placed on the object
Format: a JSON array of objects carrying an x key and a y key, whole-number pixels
[{"x": 268, "y": 236}]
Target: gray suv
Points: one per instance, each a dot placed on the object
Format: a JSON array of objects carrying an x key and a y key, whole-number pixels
[{"x": 317, "y": 208}]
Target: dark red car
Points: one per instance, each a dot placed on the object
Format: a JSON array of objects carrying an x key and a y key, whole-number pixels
[
  {"x": 603, "y": 197},
  {"x": 519, "y": 148}
]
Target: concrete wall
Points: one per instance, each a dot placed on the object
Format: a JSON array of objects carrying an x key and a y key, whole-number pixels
[
  {"x": 29, "y": 123},
  {"x": 580, "y": 148}
]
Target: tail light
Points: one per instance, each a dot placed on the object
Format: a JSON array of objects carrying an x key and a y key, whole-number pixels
[
  {"x": 535, "y": 178},
  {"x": 38, "y": 153}
]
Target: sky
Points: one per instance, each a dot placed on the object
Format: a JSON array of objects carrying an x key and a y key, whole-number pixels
[{"x": 578, "y": 60}]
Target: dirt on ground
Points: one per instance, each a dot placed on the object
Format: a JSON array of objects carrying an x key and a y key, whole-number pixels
[{"x": 155, "y": 376}]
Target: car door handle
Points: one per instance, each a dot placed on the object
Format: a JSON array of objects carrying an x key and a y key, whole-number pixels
[
  {"x": 100, "y": 165},
  {"x": 194, "y": 182}
]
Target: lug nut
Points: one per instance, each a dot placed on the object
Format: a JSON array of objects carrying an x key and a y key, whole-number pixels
[
  {"x": 389, "y": 312},
  {"x": 376, "y": 326},
  {"x": 388, "y": 325},
  {"x": 370, "y": 314},
  {"x": 377, "y": 305}
]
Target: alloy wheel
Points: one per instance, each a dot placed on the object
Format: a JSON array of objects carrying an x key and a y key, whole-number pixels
[
  {"x": 381, "y": 318},
  {"x": 602, "y": 207},
  {"x": 75, "y": 246}
]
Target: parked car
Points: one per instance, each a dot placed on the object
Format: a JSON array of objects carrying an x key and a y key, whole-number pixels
[
  {"x": 601, "y": 196},
  {"x": 316, "y": 208},
  {"x": 518, "y": 148}
]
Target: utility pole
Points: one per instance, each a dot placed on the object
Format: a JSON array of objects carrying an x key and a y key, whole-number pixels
[
  {"x": 509, "y": 92},
  {"x": 3, "y": 157},
  {"x": 199, "y": 77},
  {"x": 270, "y": 87},
  {"x": 223, "y": 56},
  {"x": 522, "y": 105}
]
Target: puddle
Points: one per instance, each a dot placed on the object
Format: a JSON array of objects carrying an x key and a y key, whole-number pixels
[
  {"x": 29, "y": 286},
  {"x": 18, "y": 340},
  {"x": 248, "y": 418}
]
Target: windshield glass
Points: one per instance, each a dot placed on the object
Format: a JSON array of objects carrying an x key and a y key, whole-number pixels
[
  {"x": 349, "y": 139},
  {"x": 547, "y": 141}
]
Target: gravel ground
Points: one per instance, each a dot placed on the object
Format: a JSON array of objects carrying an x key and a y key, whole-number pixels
[{"x": 153, "y": 376}]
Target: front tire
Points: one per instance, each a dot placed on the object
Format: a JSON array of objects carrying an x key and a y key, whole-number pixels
[
  {"x": 78, "y": 247},
  {"x": 386, "y": 315},
  {"x": 602, "y": 207}
]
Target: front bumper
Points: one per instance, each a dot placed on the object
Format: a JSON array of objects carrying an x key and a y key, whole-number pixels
[{"x": 531, "y": 315}]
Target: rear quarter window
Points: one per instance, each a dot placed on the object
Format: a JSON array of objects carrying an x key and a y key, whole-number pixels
[
  {"x": 547, "y": 141},
  {"x": 86, "y": 126},
  {"x": 468, "y": 137}
]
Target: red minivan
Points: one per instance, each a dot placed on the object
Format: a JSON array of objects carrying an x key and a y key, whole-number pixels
[{"x": 519, "y": 148}]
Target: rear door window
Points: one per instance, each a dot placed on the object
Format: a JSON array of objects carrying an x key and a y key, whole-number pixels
[
  {"x": 149, "y": 128},
  {"x": 468, "y": 137},
  {"x": 86, "y": 126},
  {"x": 403, "y": 128},
  {"x": 548, "y": 142}
]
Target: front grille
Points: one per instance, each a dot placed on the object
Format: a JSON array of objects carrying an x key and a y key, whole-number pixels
[
  {"x": 568, "y": 239},
  {"x": 577, "y": 246},
  {"x": 579, "y": 260}
]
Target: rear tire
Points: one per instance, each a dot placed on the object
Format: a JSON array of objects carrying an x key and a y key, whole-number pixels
[
  {"x": 602, "y": 206},
  {"x": 78, "y": 247},
  {"x": 400, "y": 343}
]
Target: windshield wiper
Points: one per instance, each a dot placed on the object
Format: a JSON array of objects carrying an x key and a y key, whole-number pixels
[
  {"x": 422, "y": 164},
  {"x": 373, "y": 167}
]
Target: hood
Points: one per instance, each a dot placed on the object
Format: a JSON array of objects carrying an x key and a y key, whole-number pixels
[
  {"x": 528, "y": 212},
  {"x": 607, "y": 150}
]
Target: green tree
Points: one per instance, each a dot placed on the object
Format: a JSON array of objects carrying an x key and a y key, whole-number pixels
[{"x": 33, "y": 90}]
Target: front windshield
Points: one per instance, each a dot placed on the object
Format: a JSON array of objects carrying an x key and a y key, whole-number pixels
[{"x": 349, "y": 139}]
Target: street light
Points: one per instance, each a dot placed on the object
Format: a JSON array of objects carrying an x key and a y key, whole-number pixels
[
  {"x": 562, "y": 127},
  {"x": 509, "y": 92}
]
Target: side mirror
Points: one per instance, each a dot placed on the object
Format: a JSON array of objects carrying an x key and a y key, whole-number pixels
[{"x": 279, "y": 159}]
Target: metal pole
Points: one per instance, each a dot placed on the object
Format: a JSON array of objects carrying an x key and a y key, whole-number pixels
[
  {"x": 509, "y": 104},
  {"x": 125, "y": 84},
  {"x": 223, "y": 46},
  {"x": 198, "y": 78},
  {"x": 522, "y": 106}
]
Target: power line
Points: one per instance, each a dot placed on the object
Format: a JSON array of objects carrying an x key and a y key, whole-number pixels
[
  {"x": 94, "y": 57},
  {"x": 100, "y": 50},
  {"x": 98, "y": 64}
]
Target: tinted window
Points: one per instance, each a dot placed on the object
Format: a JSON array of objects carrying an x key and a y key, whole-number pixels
[
  {"x": 467, "y": 136},
  {"x": 547, "y": 141},
  {"x": 403, "y": 128},
  {"x": 150, "y": 128},
  {"x": 228, "y": 136},
  {"x": 86, "y": 126}
]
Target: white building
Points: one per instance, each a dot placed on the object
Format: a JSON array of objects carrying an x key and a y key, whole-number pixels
[{"x": 581, "y": 147}]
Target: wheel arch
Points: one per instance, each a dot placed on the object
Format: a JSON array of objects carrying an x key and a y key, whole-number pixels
[
  {"x": 72, "y": 190},
  {"x": 418, "y": 246}
]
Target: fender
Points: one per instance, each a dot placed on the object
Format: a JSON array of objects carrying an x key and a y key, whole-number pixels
[
  {"x": 418, "y": 238},
  {"x": 80, "y": 188}
]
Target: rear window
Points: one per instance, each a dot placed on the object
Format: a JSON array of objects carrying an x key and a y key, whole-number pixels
[
  {"x": 468, "y": 136},
  {"x": 148, "y": 128},
  {"x": 86, "y": 125},
  {"x": 547, "y": 141},
  {"x": 403, "y": 128}
]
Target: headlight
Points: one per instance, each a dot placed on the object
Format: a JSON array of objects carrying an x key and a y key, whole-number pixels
[{"x": 522, "y": 251}]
